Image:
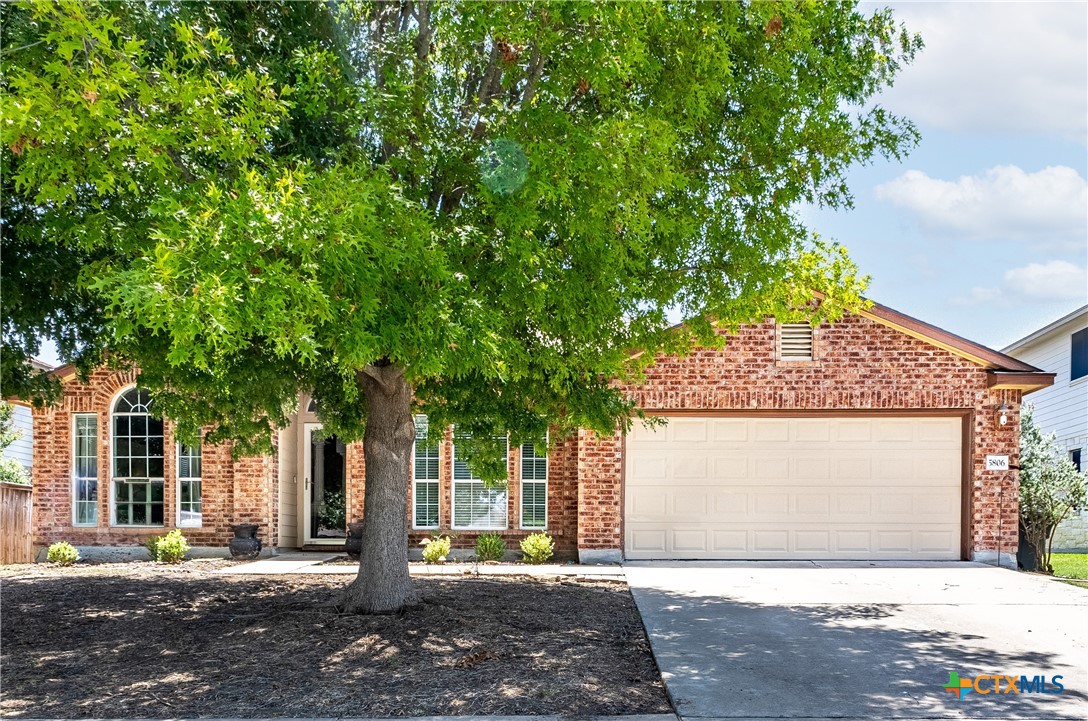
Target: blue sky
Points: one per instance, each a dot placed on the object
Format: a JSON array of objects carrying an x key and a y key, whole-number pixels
[{"x": 983, "y": 229}]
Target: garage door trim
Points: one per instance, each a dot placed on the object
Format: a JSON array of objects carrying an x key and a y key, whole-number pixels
[{"x": 967, "y": 442}]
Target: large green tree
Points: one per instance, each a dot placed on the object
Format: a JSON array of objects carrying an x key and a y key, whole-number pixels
[{"x": 502, "y": 202}]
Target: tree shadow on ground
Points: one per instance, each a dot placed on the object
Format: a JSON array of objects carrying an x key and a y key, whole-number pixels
[
  {"x": 729, "y": 658},
  {"x": 168, "y": 645}
]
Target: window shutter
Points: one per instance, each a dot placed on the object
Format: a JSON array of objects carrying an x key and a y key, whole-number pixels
[{"x": 796, "y": 341}]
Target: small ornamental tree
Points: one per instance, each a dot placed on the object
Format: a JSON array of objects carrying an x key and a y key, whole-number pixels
[
  {"x": 11, "y": 470},
  {"x": 1050, "y": 488},
  {"x": 476, "y": 211}
]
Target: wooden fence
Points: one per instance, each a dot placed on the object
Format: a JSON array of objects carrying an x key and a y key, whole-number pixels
[{"x": 16, "y": 538}]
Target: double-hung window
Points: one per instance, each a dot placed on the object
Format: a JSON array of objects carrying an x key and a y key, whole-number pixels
[
  {"x": 534, "y": 486},
  {"x": 425, "y": 477},
  {"x": 85, "y": 470},
  {"x": 190, "y": 468},
  {"x": 137, "y": 461},
  {"x": 476, "y": 506}
]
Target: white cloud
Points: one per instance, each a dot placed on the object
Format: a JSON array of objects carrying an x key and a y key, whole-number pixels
[
  {"x": 1056, "y": 280},
  {"x": 1045, "y": 208},
  {"x": 994, "y": 66}
]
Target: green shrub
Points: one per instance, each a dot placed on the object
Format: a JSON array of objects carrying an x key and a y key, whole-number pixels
[
  {"x": 490, "y": 547},
  {"x": 537, "y": 548},
  {"x": 63, "y": 553},
  {"x": 11, "y": 471},
  {"x": 170, "y": 548},
  {"x": 152, "y": 546},
  {"x": 437, "y": 549}
]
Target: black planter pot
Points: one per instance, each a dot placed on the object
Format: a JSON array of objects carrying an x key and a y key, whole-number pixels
[
  {"x": 245, "y": 544},
  {"x": 354, "y": 543}
]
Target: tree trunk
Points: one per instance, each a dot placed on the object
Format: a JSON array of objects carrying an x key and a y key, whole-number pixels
[{"x": 383, "y": 584}]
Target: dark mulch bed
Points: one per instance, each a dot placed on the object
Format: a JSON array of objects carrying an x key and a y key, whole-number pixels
[{"x": 144, "y": 640}]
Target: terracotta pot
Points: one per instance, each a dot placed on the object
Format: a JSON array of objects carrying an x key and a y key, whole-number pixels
[
  {"x": 353, "y": 545},
  {"x": 245, "y": 544}
]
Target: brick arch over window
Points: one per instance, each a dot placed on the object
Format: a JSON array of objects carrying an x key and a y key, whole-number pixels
[{"x": 107, "y": 390}]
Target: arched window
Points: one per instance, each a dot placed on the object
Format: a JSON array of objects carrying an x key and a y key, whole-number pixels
[{"x": 137, "y": 461}]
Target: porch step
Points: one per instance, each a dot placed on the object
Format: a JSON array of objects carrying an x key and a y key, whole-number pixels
[{"x": 283, "y": 563}]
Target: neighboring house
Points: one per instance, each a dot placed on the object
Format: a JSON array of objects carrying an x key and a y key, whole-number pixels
[
  {"x": 22, "y": 448},
  {"x": 866, "y": 439},
  {"x": 22, "y": 420},
  {"x": 1062, "y": 348}
]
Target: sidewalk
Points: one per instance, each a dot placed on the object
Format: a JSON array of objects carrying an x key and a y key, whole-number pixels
[
  {"x": 633, "y": 717},
  {"x": 311, "y": 563}
]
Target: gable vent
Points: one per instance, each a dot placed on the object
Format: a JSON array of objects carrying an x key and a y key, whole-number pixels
[{"x": 796, "y": 341}]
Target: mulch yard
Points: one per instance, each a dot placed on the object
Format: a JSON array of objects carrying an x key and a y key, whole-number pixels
[{"x": 149, "y": 641}]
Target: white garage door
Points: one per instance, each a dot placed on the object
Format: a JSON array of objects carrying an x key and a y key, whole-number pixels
[{"x": 788, "y": 488}]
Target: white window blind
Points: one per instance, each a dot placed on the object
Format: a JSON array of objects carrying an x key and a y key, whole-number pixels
[
  {"x": 476, "y": 506},
  {"x": 85, "y": 466},
  {"x": 534, "y": 487},
  {"x": 425, "y": 477},
  {"x": 190, "y": 492}
]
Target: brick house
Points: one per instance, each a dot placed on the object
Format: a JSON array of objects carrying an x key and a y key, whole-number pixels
[{"x": 866, "y": 439}]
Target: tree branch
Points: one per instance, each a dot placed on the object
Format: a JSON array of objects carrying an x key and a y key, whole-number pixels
[
  {"x": 536, "y": 68},
  {"x": 384, "y": 375}
]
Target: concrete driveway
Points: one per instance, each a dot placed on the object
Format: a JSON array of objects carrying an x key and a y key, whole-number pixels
[{"x": 766, "y": 640}]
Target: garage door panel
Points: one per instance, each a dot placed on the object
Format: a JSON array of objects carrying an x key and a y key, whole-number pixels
[
  {"x": 854, "y": 542},
  {"x": 815, "y": 431},
  {"x": 807, "y": 505},
  {"x": 649, "y": 502},
  {"x": 771, "y": 431},
  {"x": 810, "y": 466},
  {"x": 851, "y": 431},
  {"x": 730, "y": 504},
  {"x": 646, "y": 468},
  {"x": 795, "y": 488},
  {"x": 690, "y": 467},
  {"x": 689, "y": 540},
  {"x": 725, "y": 430},
  {"x": 729, "y": 466},
  {"x": 812, "y": 542},
  {"x": 690, "y": 503},
  {"x": 688, "y": 430},
  {"x": 647, "y": 541}
]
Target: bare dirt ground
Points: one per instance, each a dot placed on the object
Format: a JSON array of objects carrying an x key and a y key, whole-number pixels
[{"x": 152, "y": 641}]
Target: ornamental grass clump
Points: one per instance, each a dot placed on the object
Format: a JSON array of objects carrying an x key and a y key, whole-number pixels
[{"x": 490, "y": 547}]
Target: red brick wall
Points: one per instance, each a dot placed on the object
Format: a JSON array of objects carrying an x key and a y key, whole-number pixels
[
  {"x": 858, "y": 364},
  {"x": 600, "y": 492},
  {"x": 562, "y": 501},
  {"x": 233, "y": 491}
]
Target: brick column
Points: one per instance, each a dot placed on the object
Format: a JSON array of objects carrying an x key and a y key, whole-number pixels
[
  {"x": 600, "y": 498},
  {"x": 995, "y": 495}
]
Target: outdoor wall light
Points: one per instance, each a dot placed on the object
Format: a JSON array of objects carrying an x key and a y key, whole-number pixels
[{"x": 1003, "y": 414}]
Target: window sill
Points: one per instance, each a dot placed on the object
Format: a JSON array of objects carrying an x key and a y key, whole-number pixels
[{"x": 814, "y": 363}]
